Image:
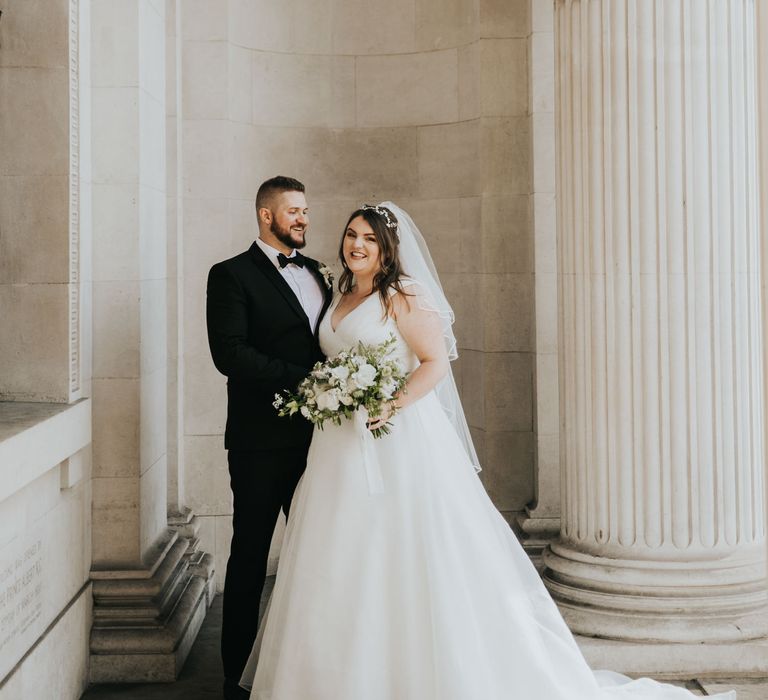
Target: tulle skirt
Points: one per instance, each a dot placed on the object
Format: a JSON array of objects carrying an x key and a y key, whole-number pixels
[{"x": 414, "y": 587}]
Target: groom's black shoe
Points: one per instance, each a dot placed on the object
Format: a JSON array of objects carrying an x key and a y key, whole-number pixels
[{"x": 232, "y": 691}]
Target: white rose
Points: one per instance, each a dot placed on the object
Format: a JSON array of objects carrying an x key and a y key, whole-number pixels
[
  {"x": 341, "y": 372},
  {"x": 346, "y": 399},
  {"x": 365, "y": 375},
  {"x": 328, "y": 400},
  {"x": 388, "y": 389},
  {"x": 305, "y": 412}
]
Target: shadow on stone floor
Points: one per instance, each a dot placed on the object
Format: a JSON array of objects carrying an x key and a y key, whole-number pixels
[{"x": 200, "y": 679}]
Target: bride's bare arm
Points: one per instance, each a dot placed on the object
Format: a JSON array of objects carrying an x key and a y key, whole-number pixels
[{"x": 423, "y": 332}]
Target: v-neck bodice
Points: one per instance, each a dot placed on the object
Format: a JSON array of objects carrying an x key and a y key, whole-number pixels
[{"x": 368, "y": 323}]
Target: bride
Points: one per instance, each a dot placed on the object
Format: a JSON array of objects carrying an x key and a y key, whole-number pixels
[{"x": 398, "y": 578}]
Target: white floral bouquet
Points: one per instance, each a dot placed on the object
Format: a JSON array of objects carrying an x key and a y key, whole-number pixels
[{"x": 360, "y": 377}]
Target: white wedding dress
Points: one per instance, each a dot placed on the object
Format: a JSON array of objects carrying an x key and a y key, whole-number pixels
[{"x": 417, "y": 590}]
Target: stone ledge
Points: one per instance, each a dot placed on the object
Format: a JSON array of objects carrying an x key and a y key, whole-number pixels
[
  {"x": 36, "y": 437},
  {"x": 667, "y": 661}
]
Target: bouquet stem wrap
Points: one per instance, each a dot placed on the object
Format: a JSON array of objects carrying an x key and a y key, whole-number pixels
[{"x": 369, "y": 456}]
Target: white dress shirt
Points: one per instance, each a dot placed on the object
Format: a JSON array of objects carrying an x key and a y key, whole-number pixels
[{"x": 302, "y": 282}]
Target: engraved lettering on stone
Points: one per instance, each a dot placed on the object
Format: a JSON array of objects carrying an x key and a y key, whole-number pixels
[{"x": 21, "y": 593}]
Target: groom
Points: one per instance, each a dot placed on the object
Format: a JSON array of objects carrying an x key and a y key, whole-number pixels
[{"x": 263, "y": 309}]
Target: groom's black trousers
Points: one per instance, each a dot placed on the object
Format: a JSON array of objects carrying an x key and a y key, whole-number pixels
[{"x": 263, "y": 482}]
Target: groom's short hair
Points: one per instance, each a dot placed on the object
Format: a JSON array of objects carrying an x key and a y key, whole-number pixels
[{"x": 275, "y": 185}]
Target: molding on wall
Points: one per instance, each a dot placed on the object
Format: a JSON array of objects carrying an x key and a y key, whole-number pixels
[{"x": 74, "y": 199}]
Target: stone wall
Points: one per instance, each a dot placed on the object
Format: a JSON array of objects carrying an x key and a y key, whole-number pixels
[
  {"x": 45, "y": 427},
  {"x": 365, "y": 101},
  {"x": 34, "y": 201}
]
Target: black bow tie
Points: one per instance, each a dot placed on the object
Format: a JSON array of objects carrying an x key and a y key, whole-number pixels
[{"x": 297, "y": 259}]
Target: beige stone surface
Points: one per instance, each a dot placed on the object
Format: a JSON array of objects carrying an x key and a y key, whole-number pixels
[
  {"x": 408, "y": 89},
  {"x": 313, "y": 90},
  {"x": 507, "y": 469},
  {"x": 257, "y": 153},
  {"x": 503, "y": 91},
  {"x": 507, "y": 241},
  {"x": 440, "y": 222},
  {"x": 546, "y": 312},
  {"x": 33, "y": 136},
  {"x": 154, "y": 318},
  {"x": 206, "y": 234},
  {"x": 508, "y": 312},
  {"x": 116, "y": 316},
  {"x": 115, "y": 248},
  {"x": 34, "y": 246},
  {"x": 203, "y": 20},
  {"x": 114, "y": 25},
  {"x": 152, "y": 238},
  {"x": 207, "y": 475},
  {"x": 116, "y": 520},
  {"x": 542, "y": 16},
  {"x": 745, "y": 689},
  {"x": 205, "y": 395},
  {"x": 254, "y": 24},
  {"x": 204, "y": 79},
  {"x": 36, "y": 344},
  {"x": 240, "y": 84},
  {"x": 152, "y": 144},
  {"x": 152, "y": 49},
  {"x": 469, "y": 81},
  {"x": 115, "y": 135},
  {"x": 373, "y": 27},
  {"x": 543, "y": 160},
  {"x": 153, "y": 417},
  {"x": 472, "y": 387},
  {"x": 542, "y": 71},
  {"x": 59, "y": 661},
  {"x": 115, "y": 427},
  {"x": 448, "y": 160},
  {"x": 505, "y": 155},
  {"x": 33, "y": 34},
  {"x": 465, "y": 292},
  {"x": 206, "y": 152},
  {"x": 444, "y": 23},
  {"x": 544, "y": 216},
  {"x": 504, "y": 18},
  {"x": 508, "y": 392},
  {"x": 153, "y": 497},
  {"x": 547, "y": 394},
  {"x": 377, "y": 163}
]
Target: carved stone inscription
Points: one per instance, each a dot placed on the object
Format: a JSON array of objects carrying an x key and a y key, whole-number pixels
[{"x": 21, "y": 591}]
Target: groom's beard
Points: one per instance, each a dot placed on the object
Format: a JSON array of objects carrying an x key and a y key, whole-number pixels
[{"x": 288, "y": 236}]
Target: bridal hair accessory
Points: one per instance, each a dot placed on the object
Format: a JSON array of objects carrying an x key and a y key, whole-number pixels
[
  {"x": 423, "y": 286},
  {"x": 381, "y": 211}
]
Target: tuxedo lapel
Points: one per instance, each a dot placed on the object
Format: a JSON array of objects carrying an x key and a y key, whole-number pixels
[
  {"x": 327, "y": 291},
  {"x": 271, "y": 273}
]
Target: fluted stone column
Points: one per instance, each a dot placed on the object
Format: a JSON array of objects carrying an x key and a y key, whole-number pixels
[{"x": 661, "y": 345}]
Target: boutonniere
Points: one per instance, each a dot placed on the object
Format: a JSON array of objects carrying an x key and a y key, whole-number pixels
[{"x": 327, "y": 274}]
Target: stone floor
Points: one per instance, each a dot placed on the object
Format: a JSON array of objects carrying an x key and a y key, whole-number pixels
[{"x": 201, "y": 677}]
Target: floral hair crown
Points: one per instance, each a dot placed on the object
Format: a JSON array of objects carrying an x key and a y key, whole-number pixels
[{"x": 381, "y": 211}]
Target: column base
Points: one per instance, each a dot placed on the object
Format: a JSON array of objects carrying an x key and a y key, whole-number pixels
[
  {"x": 685, "y": 602},
  {"x": 678, "y": 661},
  {"x": 536, "y": 534},
  {"x": 145, "y": 621}
]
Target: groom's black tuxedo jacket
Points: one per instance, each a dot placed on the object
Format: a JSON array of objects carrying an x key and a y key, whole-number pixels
[{"x": 261, "y": 340}]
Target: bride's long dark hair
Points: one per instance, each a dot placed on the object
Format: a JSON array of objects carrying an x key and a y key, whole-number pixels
[{"x": 390, "y": 273}]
